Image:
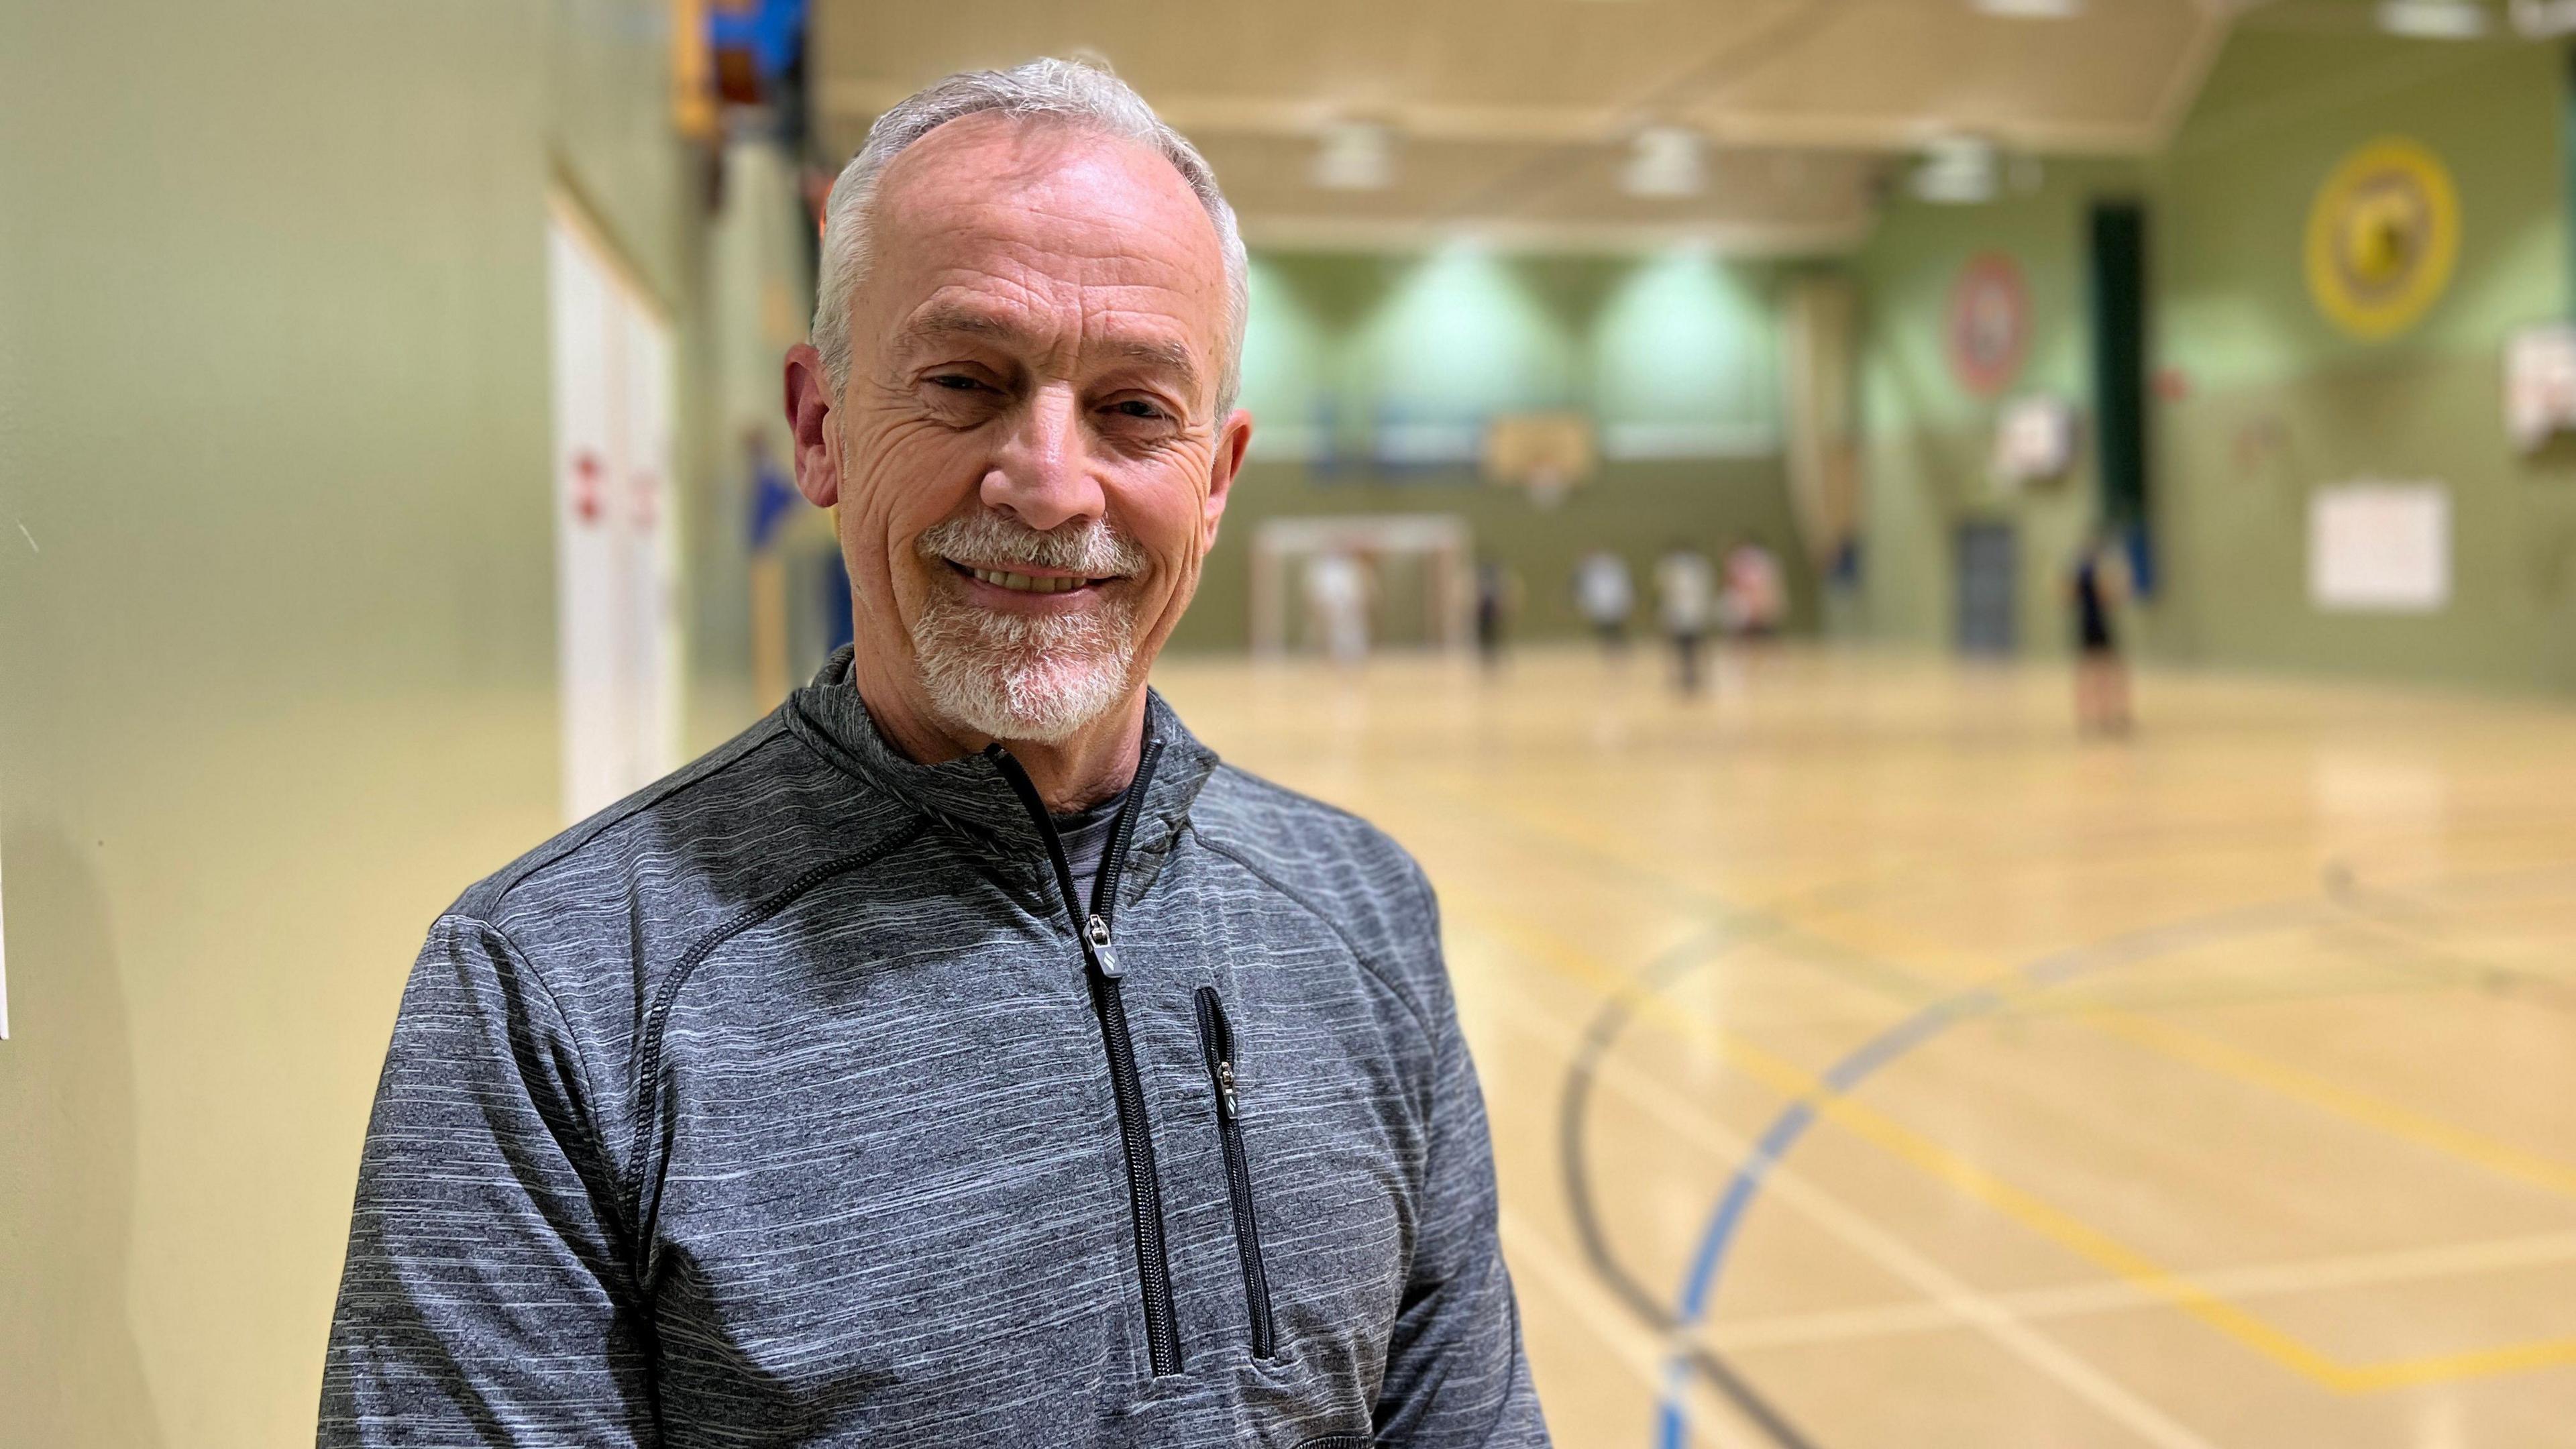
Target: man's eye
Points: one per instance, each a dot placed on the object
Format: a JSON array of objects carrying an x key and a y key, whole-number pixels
[
  {"x": 956, "y": 382},
  {"x": 1136, "y": 407}
]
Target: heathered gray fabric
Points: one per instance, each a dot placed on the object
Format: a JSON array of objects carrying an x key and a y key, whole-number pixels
[
  {"x": 1085, "y": 834},
  {"x": 769, "y": 1107}
]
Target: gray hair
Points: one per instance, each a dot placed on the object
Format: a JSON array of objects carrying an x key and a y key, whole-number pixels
[{"x": 1061, "y": 90}]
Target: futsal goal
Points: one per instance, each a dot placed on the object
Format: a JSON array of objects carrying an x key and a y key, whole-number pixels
[{"x": 1366, "y": 580}]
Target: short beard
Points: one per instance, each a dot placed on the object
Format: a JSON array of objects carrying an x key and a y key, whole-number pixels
[{"x": 1022, "y": 676}]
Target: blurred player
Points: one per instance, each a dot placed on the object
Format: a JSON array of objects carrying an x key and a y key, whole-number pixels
[
  {"x": 1686, "y": 596},
  {"x": 1337, "y": 597},
  {"x": 2101, "y": 675},
  {"x": 1604, "y": 595},
  {"x": 1497, "y": 596},
  {"x": 1756, "y": 600}
]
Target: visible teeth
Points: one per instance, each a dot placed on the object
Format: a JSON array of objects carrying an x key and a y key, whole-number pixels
[{"x": 1023, "y": 584}]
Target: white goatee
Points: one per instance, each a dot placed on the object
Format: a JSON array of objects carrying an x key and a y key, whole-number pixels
[{"x": 1025, "y": 676}]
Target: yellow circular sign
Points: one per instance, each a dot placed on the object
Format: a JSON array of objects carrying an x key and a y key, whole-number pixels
[{"x": 2383, "y": 235}]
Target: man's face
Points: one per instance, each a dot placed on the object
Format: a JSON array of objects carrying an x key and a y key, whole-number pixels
[{"x": 1030, "y": 468}]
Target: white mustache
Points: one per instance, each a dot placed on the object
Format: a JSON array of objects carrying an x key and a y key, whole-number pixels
[{"x": 1090, "y": 548}]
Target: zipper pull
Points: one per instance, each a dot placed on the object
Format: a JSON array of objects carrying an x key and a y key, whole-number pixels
[
  {"x": 1096, "y": 931},
  {"x": 1225, "y": 1101}
]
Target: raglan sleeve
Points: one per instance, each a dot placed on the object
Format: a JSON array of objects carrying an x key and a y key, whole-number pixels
[
  {"x": 486, "y": 1297},
  {"x": 1456, "y": 1374}
]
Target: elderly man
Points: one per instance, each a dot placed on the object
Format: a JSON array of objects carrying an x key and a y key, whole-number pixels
[{"x": 964, "y": 1055}]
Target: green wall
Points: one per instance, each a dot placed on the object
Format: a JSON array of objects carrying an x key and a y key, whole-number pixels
[
  {"x": 1674, "y": 355},
  {"x": 1926, "y": 440},
  {"x": 277, "y": 648},
  {"x": 2279, "y": 401},
  {"x": 2271, "y": 400}
]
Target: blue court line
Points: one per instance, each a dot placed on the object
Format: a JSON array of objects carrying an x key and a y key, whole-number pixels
[{"x": 1708, "y": 1261}]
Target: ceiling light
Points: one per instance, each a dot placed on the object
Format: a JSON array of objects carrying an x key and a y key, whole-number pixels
[
  {"x": 1666, "y": 162},
  {"x": 1957, "y": 171},
  {"x": 2433, "y": 19},
  {"x": 1356, "y": 156},
  {"x": 2543, "y": 19},
  {"x": 2032, "y": 9}
]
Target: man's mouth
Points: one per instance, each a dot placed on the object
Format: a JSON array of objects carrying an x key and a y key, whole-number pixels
[{"x": 1020, "y": 583}]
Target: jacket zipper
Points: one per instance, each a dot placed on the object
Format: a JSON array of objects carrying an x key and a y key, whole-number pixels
[
  {"x": 1100, "y": 956},
  {"x": 1216, "y": 1043}
]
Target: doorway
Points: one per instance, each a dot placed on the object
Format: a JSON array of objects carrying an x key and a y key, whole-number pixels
[
  {"x": 616, "y": 552},
  {"x": 1989, "y": 579}
]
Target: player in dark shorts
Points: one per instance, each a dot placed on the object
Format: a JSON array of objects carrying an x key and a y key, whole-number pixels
[{"x": 2101, "y": 676}]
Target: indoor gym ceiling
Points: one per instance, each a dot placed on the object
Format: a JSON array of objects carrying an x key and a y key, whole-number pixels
[{"x": 1516, "y": 119}]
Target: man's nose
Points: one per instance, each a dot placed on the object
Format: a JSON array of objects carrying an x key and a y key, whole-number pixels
[{"x": 1042, "y": 475}]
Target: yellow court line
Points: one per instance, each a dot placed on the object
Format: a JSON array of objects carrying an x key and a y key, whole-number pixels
[
  {"x": 2024, "y": 1207},
  {"x": 2179, "y": 1044},
  {"x": 2397, "y": 1121},
  {"x": 2175, "y": 1043},
  {"x": 1792, "y": 1328}
]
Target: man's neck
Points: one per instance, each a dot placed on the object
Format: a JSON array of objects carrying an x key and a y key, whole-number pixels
[{"x": 1084, "y": 768}]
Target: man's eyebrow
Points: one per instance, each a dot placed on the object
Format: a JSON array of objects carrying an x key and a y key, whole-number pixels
[
  {"x": 1170, "y": 356},
  {"x": 944, "y": 322},
  {"x": 940, "y": 322}
]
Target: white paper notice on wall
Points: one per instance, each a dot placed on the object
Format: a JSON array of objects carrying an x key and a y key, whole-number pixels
[{"x": 2380, "y": 547}]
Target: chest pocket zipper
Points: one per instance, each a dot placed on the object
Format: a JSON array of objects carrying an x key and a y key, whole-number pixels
[{"x": 1216, "y": 1044}]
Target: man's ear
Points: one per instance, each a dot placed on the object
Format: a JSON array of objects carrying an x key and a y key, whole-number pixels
[
  {"x": 809, "y": 418},
  {"x": 1232, "y": 438}
]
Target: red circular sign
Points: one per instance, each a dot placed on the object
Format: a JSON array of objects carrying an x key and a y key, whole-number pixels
[{"x": 1989, "y": 329}]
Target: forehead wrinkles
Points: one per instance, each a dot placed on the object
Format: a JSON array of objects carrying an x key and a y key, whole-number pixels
[
  {"x": 1073, "y": 230},
  {"x": 1062, "y": 187},
  {"x": 1061, "y": 326},
  {"x": 1031, "y": 252}
]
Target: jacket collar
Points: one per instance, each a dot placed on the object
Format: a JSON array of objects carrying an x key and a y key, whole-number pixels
[{"x": 968, "y": 795}]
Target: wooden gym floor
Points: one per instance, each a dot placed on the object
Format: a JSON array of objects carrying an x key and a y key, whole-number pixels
[{"x": 1873, "y": 1065}]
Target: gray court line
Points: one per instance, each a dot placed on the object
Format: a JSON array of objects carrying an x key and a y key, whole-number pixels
[
  {"x": 1573, "y": 1164},
  {"x": 1873, "y": 974},
  {"x": 2405, "y": 920},
  {"x": 2073, "y": 1300},
  {"x": 1787, "y": 1129},
  {"x": 1938, "y": 1007},
  {"x": 1845, "y": 1076}
]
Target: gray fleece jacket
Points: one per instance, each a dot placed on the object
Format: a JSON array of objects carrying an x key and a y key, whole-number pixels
[{"x": 802, "y": 1099}]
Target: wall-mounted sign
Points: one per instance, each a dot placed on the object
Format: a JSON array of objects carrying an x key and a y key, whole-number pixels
[
  {"x": 1989, "y": 324},
  {"x": 2378, "y": 547},
  {"x": 2383, "y": 235},
  {"x": 2034, "y": 441},
  {"x": 2540, "y": 383}
]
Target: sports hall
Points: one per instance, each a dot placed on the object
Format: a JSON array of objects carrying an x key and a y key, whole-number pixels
[{"x": 1970, "y": 605}]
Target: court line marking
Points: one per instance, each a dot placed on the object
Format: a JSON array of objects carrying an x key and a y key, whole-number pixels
[
  {"x": 2074, "y": 1300},
  {"x": 2034, "y": 1213},
  {"x": 1636, "y": 1350},
  {"x": 2401, "y": 1122},
  {"x": 2225, "y": 1059},
  {"x": 2412, "y": 922},
  {"x": 1811, "y": 1097},
  {"x": 1958, "y": 1300},
  {"x": 1695, "y": 951}
]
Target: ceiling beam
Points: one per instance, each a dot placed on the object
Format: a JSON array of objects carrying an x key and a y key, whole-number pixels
[
  {"x": 855, "y": 100},
  {"x": 1732, "y": 238}
]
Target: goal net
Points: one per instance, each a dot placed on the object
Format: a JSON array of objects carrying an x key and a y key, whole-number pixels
[{"x": 1345, "y": 585}]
